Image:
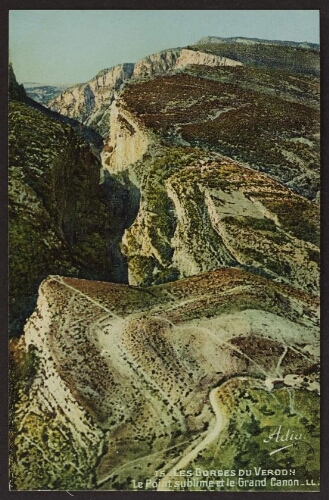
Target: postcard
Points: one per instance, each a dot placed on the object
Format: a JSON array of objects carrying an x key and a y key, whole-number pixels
[{"x": 164, "y": 250}]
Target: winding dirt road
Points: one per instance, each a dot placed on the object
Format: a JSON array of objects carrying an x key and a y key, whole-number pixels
[{"x": 191, "y": 454}]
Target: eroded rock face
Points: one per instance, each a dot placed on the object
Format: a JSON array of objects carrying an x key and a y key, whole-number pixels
[
  {"x": 188, "y": 57},
  {"x": 58, "y": 218},
  {"x": 157, "y": 64},
  {"x": 126, "y": 372},
  {"x": 128, "y": 141},
  {"x": 256, "y": 221},
  {"x": 89, "y": 102}
]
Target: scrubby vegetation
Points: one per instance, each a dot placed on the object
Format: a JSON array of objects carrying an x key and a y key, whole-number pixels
[
  {"x": 291, "y": 59},
  {"x": 151, "y": 357},
  {"x": 275, "y": 134},
  {"x": 245, "y": 445},
  {"x": 304, "y": 89},
  {"x": 192, "y": 200}
]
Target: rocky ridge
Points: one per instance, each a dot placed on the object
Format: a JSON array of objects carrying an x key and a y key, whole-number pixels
[
  {"x": 90, "y": 102},
  {"x": 257, "y": 41},
  {"x": 104, "y": 426}
]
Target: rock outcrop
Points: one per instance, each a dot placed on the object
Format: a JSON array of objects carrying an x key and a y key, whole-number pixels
[
  {"x": 156, "y": 64},
  {"x": 188, "y": 57},
  {"x": 90, "y": 102},
  {"x": 128, "y": 141}
]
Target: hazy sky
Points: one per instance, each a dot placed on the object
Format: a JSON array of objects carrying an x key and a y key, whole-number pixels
[{"x": 71, "y": 46}]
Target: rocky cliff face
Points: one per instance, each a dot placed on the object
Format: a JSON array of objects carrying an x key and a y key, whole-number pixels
[
  {"x": 188, "y": 57},
  {"x": 89, "y": 102},
  {"x": 156, "y": 64},
  {"x": 149, "y": 360},
  {"x": 128, "y": 141},
  {"x": 59, "y": 219}
]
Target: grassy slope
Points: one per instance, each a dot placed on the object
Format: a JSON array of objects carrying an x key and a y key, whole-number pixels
[{"x": 291, "y": 59}]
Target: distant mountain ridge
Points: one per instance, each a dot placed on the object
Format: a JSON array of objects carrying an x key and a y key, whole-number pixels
[
  {"x": 241, "y": 39},
  {"x": 43, "y": 93}
]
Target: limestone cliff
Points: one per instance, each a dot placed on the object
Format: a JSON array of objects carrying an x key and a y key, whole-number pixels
[
  {"x": 128, "y": 140},
  {"x": 157, "y": 64},
  {"x": 89, "y": 102},
  {"x": 188, "y": 57}
]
